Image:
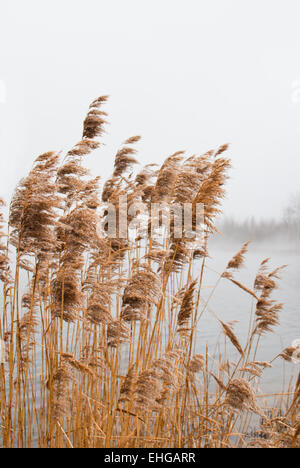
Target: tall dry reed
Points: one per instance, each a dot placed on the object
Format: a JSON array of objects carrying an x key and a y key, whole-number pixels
[{"x": 100, "y": 332}]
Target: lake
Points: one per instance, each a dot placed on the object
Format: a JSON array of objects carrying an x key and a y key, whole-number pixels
[{"x": 230, "y": 303}]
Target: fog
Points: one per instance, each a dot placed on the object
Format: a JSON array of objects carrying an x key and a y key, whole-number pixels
[{"x": 185, "y": 75}]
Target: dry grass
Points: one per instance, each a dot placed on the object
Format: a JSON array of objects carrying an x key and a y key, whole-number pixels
[{"x": 100, "y": 350}]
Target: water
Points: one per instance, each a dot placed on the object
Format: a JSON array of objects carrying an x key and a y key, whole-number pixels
[{"x": 230, "y": 303}]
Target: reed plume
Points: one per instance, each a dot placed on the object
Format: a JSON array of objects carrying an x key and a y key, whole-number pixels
[
  {"x": 187, "y": 306},
  {"x": 240, "y": 395},
  {"x": 4, "y": 258},
  {"x": 102, "y": 347},
  {"x": 33, "y": 210},
  {"x": 139, "y": 293}
]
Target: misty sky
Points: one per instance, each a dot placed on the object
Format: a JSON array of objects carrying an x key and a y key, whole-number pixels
[{"x": 185, "y": 75}]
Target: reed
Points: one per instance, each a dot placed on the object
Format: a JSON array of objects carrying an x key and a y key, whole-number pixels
[{"x": 100, "y": 332}]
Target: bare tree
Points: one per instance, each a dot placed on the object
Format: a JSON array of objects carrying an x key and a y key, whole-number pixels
[{"x": 291, "y": 215}]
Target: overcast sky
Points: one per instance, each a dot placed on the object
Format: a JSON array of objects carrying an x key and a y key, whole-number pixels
[{"x": 183, "y": 74}]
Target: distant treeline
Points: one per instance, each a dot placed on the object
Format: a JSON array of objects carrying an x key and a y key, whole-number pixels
[
  {"x": 286, "y": 228},
  {"x": 260, "y": 231}
]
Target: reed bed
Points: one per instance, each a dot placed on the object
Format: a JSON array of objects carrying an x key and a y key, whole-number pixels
[{"x": 99, "y": 333}]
